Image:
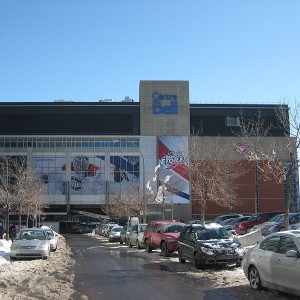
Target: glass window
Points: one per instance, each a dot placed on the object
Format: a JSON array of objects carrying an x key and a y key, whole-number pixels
[
  {"x": 286, "y": 243},
  {"x": 270, "y": 244},
  {"x": 232, "y": 121}
]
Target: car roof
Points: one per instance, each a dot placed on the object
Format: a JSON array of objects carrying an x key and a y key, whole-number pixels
[{"x": 295, "y": 233}]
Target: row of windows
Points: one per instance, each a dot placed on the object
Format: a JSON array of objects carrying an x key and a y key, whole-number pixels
[{"x": 68, "y": 144}]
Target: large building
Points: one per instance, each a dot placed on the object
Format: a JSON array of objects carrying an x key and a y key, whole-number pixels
[{"x": 88, "y": 152}]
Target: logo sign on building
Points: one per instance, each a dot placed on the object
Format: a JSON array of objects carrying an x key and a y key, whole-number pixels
[
  {"x": 173, "y": 171},
  {"x": 242, "y": 147},
  {"x": 165, "y": 104}
]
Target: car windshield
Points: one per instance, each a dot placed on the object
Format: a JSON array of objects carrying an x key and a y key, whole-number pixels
[
  {"x": 213, "y": 234},
  {"x": 31, "y": 235},
  {"x": 117, "y": 229},
  {"x": 275, "y": 218},
  {"x": 173, "y": 228}
]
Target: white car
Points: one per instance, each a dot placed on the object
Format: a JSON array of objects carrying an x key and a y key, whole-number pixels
[
  {"x": 275, "y": 263},
  {"x": 30, "y": 243}
]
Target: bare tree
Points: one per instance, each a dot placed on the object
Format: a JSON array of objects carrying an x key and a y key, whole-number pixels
[
  {"x": 20, "y": 188},
  {"x": 213, "y": 173},
  {"x": 129, "y": 204},
  {"x": 276, "y": 158}
]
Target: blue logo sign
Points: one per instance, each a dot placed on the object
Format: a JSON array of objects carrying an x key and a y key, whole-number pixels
[{"x": 164, "y": 104}]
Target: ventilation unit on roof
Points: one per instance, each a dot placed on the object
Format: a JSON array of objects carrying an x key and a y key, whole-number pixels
[
  {"x": 106, "y": 100},
  {"x": 127, "y": 99}
]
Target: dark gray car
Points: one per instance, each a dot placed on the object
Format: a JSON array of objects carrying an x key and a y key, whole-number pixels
[{"x": 208, "y": 244}]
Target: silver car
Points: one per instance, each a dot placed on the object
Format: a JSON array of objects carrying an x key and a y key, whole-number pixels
[
  {"x": 53, "y": 239},
  {"x": 136, "y": 236},
  {"x": 275, "y": 263},
  {"x": 30, "y": 243}
]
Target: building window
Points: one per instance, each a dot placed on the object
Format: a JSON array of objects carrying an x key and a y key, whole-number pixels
[{"x": 232, "y": 121}]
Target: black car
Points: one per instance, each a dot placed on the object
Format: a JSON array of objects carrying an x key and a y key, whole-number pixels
[{"x": 209, "y": 244}]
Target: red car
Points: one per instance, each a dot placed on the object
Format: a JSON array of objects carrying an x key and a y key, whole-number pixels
[
  {"x": 255, "y": 219},
  {"x": 162, "y": 235}
]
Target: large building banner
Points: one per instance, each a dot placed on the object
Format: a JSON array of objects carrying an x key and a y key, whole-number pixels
[
  {"x": 173, "y": 169},
  {"x": 124, "y": 173}
]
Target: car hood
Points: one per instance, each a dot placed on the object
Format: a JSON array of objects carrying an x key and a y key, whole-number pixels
[
  {"x": 219, "y": 244},
  {"x": 29, "y": 243}
]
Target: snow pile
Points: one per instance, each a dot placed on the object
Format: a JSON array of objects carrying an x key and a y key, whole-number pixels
[{"x": 4, "y": 252}]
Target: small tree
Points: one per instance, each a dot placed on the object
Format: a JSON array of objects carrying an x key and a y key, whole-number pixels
[{"x": 212, "y": 173}]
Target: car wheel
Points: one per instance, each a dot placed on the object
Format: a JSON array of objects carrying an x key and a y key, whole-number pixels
[
  {"x": 181, "y": 260},
  {"x": 148, "y": 247},
  {"x": 138, "y": 245},
  {"x": 13, "y": 258},
  {"x": 164, "y": 250},
  {"x": 129, "y": 244},
  {"x": 254, "y": 279},
  {"x": 197, "y": 260},
  {"x": 121, "y": 242}
]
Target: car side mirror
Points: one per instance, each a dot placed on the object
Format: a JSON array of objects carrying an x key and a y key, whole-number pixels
[{"x": 291, "y": 253}]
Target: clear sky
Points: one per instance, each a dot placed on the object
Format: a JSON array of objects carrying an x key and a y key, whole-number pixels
[{"x": 231, "y": 51}]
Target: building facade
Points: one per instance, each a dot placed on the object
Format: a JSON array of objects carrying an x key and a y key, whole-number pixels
[{"x": 86, "y": 153}]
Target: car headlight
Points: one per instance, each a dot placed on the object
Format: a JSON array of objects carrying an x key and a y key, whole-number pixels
[{"x": 207, "y": 250}]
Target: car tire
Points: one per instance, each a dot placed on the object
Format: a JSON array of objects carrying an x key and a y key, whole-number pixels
[
  {"x": 129, "y": 244},
  {"x": 197, "y": 261},
  {"x": 254, "y": 279},
  {"x": 13, "y": 258},
  {"x": 164, "y": 250},
  {"x": 138, "y": 245},
  {"x": 181, "y": 260},
  {"x": 121, "y": 242},
  {"x": 148, "y": 247}
]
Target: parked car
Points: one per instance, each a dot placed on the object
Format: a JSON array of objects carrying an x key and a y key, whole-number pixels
[
  {"x": 272, "y": 227},
  {"x": 30, "y": 243},
  {"x": 114, "y": 234},
  {"x": 222, "y": 218},
  {"x": 259, "y": 226},
  {"x": 124, "y": 234},
  {"x": 136, "y": 236},
  {"x": 255, "y": 219},
  {"x": 107, "y": 228},
  {"x": 162, "y": 235},
  {"x": 274, "y": 263},
  {"x": 53, "y": 237},
  {"x": 230, "y": 223},
  {"x": 208, "y": 244}
]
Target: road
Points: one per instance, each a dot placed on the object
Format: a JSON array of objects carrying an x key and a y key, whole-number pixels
[{"x": 106, "y": 272}]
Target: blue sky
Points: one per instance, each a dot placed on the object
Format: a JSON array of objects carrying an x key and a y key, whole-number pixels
[{"x": 231, "y": 51}]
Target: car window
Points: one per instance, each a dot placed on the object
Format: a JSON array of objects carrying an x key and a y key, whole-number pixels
[
  {"x": 286, "y": 243},
  {"x": 173, "y": 228},
  {"x": 270, "y": 244}
]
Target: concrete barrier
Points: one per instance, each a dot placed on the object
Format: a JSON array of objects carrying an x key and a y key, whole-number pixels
[{"x": 251, "y": 238}]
